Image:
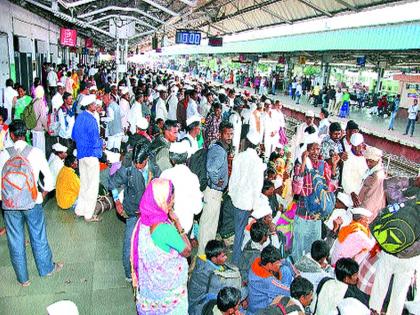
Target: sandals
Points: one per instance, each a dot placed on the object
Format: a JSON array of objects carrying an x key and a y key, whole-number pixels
[
  {"x": 25, "y": 284},
  {"x": 95, "y": 218},
  {"x": 57, "y": 268}
]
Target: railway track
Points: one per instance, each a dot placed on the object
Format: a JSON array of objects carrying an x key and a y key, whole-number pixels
[{"x": 395, "y": 165}]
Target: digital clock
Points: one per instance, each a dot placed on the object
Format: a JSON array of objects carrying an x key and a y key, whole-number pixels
[{"x": 188, "y": 37}]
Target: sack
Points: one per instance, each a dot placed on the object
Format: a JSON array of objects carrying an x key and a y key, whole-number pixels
[
  {"x": 197, "y": 164},
  {"x": 248, "y": 256},
  {"x": 321, "y": 201},
  {"x": 53, "y": 124},
  {"x": 103, "y": 204},
  {"x": 19, "y": 188},
  {"x": 229, "y": 277},
  {"x": 398, "y": 231},
  {"x": 29, "y": 116},
  {"x": 226, "y": 227},
  {"x": 283, "y": 307}
]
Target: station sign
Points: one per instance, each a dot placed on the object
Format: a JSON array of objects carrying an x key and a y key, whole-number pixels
[
  {"x": 68, "y": 37},
  {"x": 188, "y": 37}
]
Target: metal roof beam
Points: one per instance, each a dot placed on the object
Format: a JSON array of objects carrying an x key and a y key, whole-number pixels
[
  {"x": 264, "y": 9},
  {"x": 348, "y": 5},
  {"x": 162, "y": 8},
  {"x": 316, "y": 7},
  {"x": 122, "y": 17},
  {"x": 125, "y": 9},
  {"x": 190, "y": 3},
  {"x": 69, "y": 5}
]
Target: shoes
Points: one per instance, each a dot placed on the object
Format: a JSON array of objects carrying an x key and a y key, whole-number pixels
[{"x": 404, "y": 134}]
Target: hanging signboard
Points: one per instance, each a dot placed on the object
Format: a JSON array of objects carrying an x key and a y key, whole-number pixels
[
  {"x": 89, "y": 43},
  {"x": 68, "y": 37}
]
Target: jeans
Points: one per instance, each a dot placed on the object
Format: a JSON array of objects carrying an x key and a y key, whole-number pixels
[
  {"x": 392, "y": 120},
  {"x": 305, "y": 232},
  {"x": 241, "y": 219},
  {"x": 130, "y": 223},
  {"x": 15, "y": 225},
  {"x": 411, "y": 123},
  {"x": 297, "y": 99},
  {"x": 273, "y": 90}
]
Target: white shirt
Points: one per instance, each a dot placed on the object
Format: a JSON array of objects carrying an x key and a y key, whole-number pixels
[
  {"x": 57, "y": 101},
  {"x": 52, "y": 78},
  {"x": 299, "y": 89},
  {"x": 236, "y": 121},
  {"x": 125, "y": 109},
  {"x": 173, "y": 105},
  {"x": 161, "y": 111},
  {"x": 247, "y": 179},
  {"x": 338, "y": 96},
  {"x": 66, "y": 124},
  {"x": 253, "y": 124},
  {"x": 412, "y": 111},
  {"x": 192, "y": 109},
  {"x": 38, "y": 163},
  {"x": 204, "y": 107},
  {"x": 134, "y": 114},
  {"x": 324, "y": 126},
  {"x": 9, "y": 95},
  {"x": 188, "y": 197},
  {"x": 353, "y": 170},
  {"x": 55, "y": 164},
  {"x": 192, "y": 143}
]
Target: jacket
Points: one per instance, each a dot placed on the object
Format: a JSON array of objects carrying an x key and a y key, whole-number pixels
[
  {"x": 86, "y": 135},
  {"x": 115, "y": 125},
  {"x": 134, "y": 184},
  {"x": 217, "y": 167}
]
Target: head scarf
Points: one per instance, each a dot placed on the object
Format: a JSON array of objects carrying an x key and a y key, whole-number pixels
[
  {"x": 154, "y": 204},
  {"x": 39, "y": 92}
]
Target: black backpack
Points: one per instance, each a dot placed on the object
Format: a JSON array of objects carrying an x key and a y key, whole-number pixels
[
  {"x": 248, "y": 256},
  {"x": 197, "y": 163}
]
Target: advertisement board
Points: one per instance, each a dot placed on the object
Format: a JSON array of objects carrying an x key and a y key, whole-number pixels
[{"x": 68, "y": 37}]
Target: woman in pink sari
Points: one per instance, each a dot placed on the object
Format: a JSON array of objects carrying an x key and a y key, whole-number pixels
[{"x": 158, "y": 250}]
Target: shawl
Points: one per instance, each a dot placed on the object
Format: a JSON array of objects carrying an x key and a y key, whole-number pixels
[{"x": 351, "y": 228}]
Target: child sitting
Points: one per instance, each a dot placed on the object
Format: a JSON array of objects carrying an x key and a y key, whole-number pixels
[{"x": 209, "y": 276}]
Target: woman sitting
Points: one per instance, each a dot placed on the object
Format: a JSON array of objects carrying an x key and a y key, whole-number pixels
[{"x": 158, "y": 250}]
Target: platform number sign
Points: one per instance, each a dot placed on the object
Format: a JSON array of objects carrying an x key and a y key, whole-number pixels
[{"x": 188, "y": 37}]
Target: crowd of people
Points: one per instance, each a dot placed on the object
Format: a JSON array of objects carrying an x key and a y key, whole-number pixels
[{"x": 224, "y": 214}]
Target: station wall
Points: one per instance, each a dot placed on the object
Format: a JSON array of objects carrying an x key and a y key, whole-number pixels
[{"x": 37, "y": 40}]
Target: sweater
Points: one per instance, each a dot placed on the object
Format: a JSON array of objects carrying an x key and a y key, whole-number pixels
[{"x": 86, "y": 135}]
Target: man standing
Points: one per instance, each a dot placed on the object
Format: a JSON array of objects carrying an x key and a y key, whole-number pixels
[
  {"x": 217, "y": 173},
  {"x": 395, "y": 106},
  {"x": 89, "y": 149},
  {"x": 193, "y": 131},
  {"x": 192, "y": 109},
  {"x": 236, "y": 120},
  {"x": 10, "y": 98},
  {"x": 124, "y": 107},
  {"x": 115, "y": 129},
  {"x": 52, "y": 79},
  {"x": 57, "y": 99},
  {"x": 245, "y": 187},
  {"x": 66, "y": 117},
  {"x": 161, "y": 111},
  {"x": 15, "y": 217},
  {"x": 412, "y": 116}
]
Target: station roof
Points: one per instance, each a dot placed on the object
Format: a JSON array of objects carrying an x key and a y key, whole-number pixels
[
  {"x": 383, "y": 37},
  {"x": 163, "y": 17}
]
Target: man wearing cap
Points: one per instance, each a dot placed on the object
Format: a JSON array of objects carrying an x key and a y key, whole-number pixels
[
  {"x": 124, "y": 107},
  {"x": 192, "y": 108},
  {"x": 140, "y": 135},
  {"x": 56, "y": 160},
  {"x": 135, "y": 112},
  {"x": 355, "y": 166},
  {"x": 354, "y": 240},
  {"x": 245, "y": 186},
  {"x": 161, "y": 111},
  {"x": 89, "y": 150},
  {"x": 173, "y": 103},
  {"x": 188, "y": 198},
  {"x": 52, "y": 81},
  {"x": 372, "y": 194},
  {"x": 300, "y": 131},
  {"x": 57, "y": 99},
  {"x": 193, "y": 130}
]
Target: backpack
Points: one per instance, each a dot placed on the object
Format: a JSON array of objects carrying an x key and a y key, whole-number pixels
[
  {"x": 229, "y": 277},
  {"x": 29, "y": 116},
  {"x": 397, "y": 231},
  {"x": 19, "y": 188},
  {"x": 197, "y": 164},
  {"x": 321, "y": 201},
  {"x": 154, "y": 167},
  {"x": 248, "y": 256},
  {"x": 283, "y": 307},
  {"x": 53, "y": 124}
]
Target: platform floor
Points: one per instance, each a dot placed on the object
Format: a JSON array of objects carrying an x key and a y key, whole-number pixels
[
  {"x": 368, "y": 123},
  {"x": 92, "y": 276}
]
